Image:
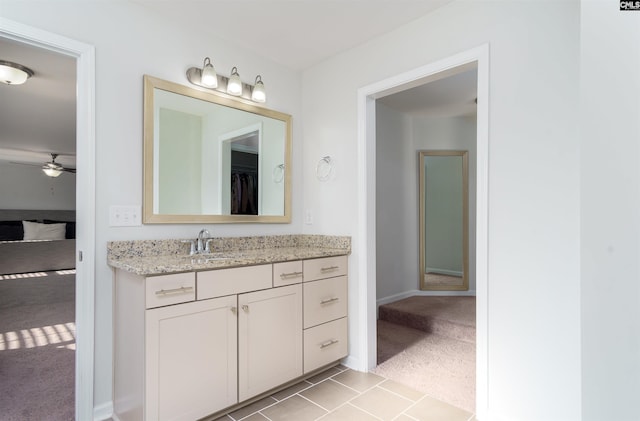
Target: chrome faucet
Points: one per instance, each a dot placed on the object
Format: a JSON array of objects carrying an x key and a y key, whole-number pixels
[{"x": 202, "y": 245}]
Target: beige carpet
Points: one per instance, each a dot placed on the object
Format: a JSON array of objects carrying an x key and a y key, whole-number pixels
[
  {"x": 439, "y": 361},
  {"x": 37, "y": 347}
]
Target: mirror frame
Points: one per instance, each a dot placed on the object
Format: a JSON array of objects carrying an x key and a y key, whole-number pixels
[
  {"x": 465, "y": 220},
  {"x": 148, "y": 217}
]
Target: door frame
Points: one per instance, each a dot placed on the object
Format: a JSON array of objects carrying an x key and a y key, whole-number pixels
[
  {"x": 366, "y": 347},
  {"x": 85, "y": 198}
]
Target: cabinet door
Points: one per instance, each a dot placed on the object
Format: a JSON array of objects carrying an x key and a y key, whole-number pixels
[
  {"x": 191, "y": 359},
  {"x": 269, "y": 339}
]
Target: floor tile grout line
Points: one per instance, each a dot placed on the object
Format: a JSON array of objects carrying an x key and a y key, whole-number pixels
[
  {"x": 255, "y": 412},
  {"x": 400, "y": 395},
  {"x": 315, "y": 403}
]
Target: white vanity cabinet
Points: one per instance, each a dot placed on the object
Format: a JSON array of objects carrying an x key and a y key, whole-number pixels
[
  {"x": 325, "y": 311},
  {"x": 188, "y": 345},
  {"x": 269, "y": 339},
  {"x": 191, "y": 359}
]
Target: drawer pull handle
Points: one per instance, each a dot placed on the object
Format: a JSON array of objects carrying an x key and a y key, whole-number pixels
[
  {"x": 329, "y": 300},
  {"x": 329, "y": 268},
  {"x": 245, "y": 308},
  {"x": 290, "y": 275},
  {"x": 329, "y": 343},
  {"x": 181, "y": 290}
]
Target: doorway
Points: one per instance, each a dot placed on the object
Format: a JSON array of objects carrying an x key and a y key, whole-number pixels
[
  {"x": 367, "y": 258},
  {"x": 425, "y": 162},
  {"x": 85, "y": 198}
]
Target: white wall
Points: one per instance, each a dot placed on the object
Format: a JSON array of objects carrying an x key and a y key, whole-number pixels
[
  {"x": 34, "y": 189},
  {"x": 610, "y": 209},
  {"x": 131, "y": 42},
  {"x": 533, "y": 291},
  {"x": 396, "y": 205}
]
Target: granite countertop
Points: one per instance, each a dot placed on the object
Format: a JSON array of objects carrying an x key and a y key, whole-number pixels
[{"x": 147, "y": 257}]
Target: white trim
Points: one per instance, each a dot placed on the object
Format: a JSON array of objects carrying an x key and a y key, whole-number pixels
[
  {"x": 414, "y": 292},
  {"x": 104, "y": 412},
  {"x": 85, "y": 198},
  {"x": 365, "y": 243}
]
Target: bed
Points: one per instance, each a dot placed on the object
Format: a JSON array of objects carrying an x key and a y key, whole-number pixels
[{"x": 34, "y": 254}]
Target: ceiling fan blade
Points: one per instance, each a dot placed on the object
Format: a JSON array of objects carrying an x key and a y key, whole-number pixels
[{"x": 71, "y": 170}]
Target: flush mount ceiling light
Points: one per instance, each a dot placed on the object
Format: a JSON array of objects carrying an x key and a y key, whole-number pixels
[
  {"x": 14, "y": 73},
  {"x": 206, "y": 77}
]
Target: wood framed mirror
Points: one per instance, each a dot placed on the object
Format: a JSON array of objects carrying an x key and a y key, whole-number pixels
[
  {"x": 444, "y": 220},
  {"x": 213, "y": 158}
]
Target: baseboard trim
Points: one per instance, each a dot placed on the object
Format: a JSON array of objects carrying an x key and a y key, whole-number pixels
[
  {"x": 352, "y": 363},
  {"x": 407, "y": 294},
  {"x": 104, "y": 412}
]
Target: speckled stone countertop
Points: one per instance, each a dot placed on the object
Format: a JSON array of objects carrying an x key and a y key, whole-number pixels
[{"x": 153, "y": 257}]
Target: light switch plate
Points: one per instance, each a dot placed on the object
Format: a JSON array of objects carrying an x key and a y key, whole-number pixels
[{"x": 125, "y": 216}]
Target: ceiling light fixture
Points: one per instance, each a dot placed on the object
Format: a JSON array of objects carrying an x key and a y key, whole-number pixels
[
  {"x": 206, "y": 77},
  {"x": 14, "y": 73},
  {"x": 52, "y": 169}
]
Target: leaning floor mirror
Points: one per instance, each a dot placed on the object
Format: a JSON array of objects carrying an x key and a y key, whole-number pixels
[
  {"x": 212, "y": 158},
  {"x": 444, "y": 220}
]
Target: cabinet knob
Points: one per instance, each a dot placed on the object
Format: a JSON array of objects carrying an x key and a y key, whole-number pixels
[
  {"x": 245, "y": 308},
  {"x": 234, "y": 310}
]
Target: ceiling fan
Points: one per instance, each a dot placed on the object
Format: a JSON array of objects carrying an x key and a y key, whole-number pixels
[{"x": 53, "y": 169}]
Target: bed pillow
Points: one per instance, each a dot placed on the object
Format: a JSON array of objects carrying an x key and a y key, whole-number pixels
[
  {"x": 11, "y": 230},
  {"x": 70, "y": 231},
  {"x": 38, "y": 231}
]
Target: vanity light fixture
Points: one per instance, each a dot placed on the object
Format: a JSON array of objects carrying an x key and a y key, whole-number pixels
[
  {"x": 234, "y": 86},
  {"x": 258, "y": 94},
  {"x": 14, "y": 73},
  {"x": 206, "y": 77},
  {"x": 209, "y": 77}
]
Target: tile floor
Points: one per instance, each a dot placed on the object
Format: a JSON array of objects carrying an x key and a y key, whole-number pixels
[{"x": 341, "y": 394}]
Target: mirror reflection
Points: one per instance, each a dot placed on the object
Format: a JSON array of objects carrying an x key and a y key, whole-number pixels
[
  {"x": 444, "y": 220},
  {"x": 213, "y": 158}
]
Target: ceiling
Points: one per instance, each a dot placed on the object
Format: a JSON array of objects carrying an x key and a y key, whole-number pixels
[
  {"x": 452, "y": 96},
  {"x": 38, "y": 117},
  {"x": 294, "y": 33}
]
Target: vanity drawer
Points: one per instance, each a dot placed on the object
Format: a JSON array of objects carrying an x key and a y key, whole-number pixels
[
  {"x": 324, "y": 300},
  {"x": 287, "y": 273},
  {"x": 326, "y": 267},
  {"x": 325, "y": 344},
  {"x": 220, "y": 282},
  {"x": 164, "y": 290}
]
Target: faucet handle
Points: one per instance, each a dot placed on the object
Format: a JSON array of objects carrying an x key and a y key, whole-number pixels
[
  {"x": 207, "y": 248},
  {"x": 192, "y": 249}
]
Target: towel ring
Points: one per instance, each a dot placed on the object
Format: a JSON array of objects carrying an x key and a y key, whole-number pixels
[
  {"x": 324, "y": 168},
  {"x": 278, "y": 173}
]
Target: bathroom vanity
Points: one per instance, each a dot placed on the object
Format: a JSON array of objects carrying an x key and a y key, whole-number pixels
[{"x": 195, "y": 335}]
